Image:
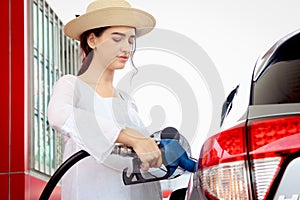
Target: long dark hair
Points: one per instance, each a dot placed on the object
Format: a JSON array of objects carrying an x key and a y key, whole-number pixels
[{"x": 89, "y": 52}]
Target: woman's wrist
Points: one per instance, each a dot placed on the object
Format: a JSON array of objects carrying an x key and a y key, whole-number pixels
[{"x": 130, "y": 137}]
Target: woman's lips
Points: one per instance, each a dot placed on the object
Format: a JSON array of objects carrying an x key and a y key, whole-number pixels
[{"x": 122, "y": 58}]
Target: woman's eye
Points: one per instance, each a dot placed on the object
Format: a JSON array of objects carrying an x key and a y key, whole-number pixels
[{"x": 117, "y": 39}]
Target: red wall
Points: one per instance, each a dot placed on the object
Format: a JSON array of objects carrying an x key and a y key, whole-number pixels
[{"x": 16, "y": 181}]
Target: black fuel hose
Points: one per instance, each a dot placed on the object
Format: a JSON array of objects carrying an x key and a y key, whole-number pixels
[{"x": 64, "y": 167}]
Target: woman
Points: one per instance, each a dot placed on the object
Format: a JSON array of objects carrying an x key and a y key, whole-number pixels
[{"x": 93, "y": 115}]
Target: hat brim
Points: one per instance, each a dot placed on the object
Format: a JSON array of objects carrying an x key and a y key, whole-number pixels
[{"x": 116, "y": 16}]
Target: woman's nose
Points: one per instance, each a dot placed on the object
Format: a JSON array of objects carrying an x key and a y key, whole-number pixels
[{"x": 126, "y": 47}]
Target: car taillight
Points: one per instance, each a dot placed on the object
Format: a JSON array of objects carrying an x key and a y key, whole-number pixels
[
  {"x": 270, "y": 142},
  {"x": 225, "y": 172},
  {"x": 222, "y": 165}
]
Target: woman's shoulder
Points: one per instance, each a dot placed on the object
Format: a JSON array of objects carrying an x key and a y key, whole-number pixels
[
  {"x": 66, "y": 79},
  {"x": 65, "y": 82}
]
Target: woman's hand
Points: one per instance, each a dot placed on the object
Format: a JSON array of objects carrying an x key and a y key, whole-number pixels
[
  {"x": 148, "y": 152},
  {"x": 145, "y": 147}
]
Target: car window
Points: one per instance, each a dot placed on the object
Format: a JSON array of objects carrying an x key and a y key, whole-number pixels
[{"x": 279, "y": 82}]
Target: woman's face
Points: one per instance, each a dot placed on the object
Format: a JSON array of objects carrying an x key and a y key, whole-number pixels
[{"x": 114, "y": 46}]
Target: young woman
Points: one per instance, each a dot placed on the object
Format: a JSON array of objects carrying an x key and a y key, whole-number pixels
[{"x": 94, "y": 115}]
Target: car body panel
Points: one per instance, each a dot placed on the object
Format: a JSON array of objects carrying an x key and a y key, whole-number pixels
[
  {"x": 289, "y": 187},
  {"x": 274, "y": 110}
]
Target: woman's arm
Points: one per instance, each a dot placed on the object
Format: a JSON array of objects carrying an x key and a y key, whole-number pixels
[
  {"x": 145, "y": 147},
  {"x": 91, "y": 132},
  {"x": 95, "y": 134}
]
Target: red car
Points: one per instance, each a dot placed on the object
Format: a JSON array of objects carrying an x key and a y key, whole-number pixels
[{"x": 258, "y": 157}]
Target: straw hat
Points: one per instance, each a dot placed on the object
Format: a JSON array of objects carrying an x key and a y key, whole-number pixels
[{"x": 101, "y": 13}]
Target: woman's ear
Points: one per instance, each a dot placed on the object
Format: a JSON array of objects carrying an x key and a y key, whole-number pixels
[{"x": 91, "y": 40}]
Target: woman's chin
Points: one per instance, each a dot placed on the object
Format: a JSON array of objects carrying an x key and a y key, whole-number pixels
[{"x": 118, "y": 66}]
